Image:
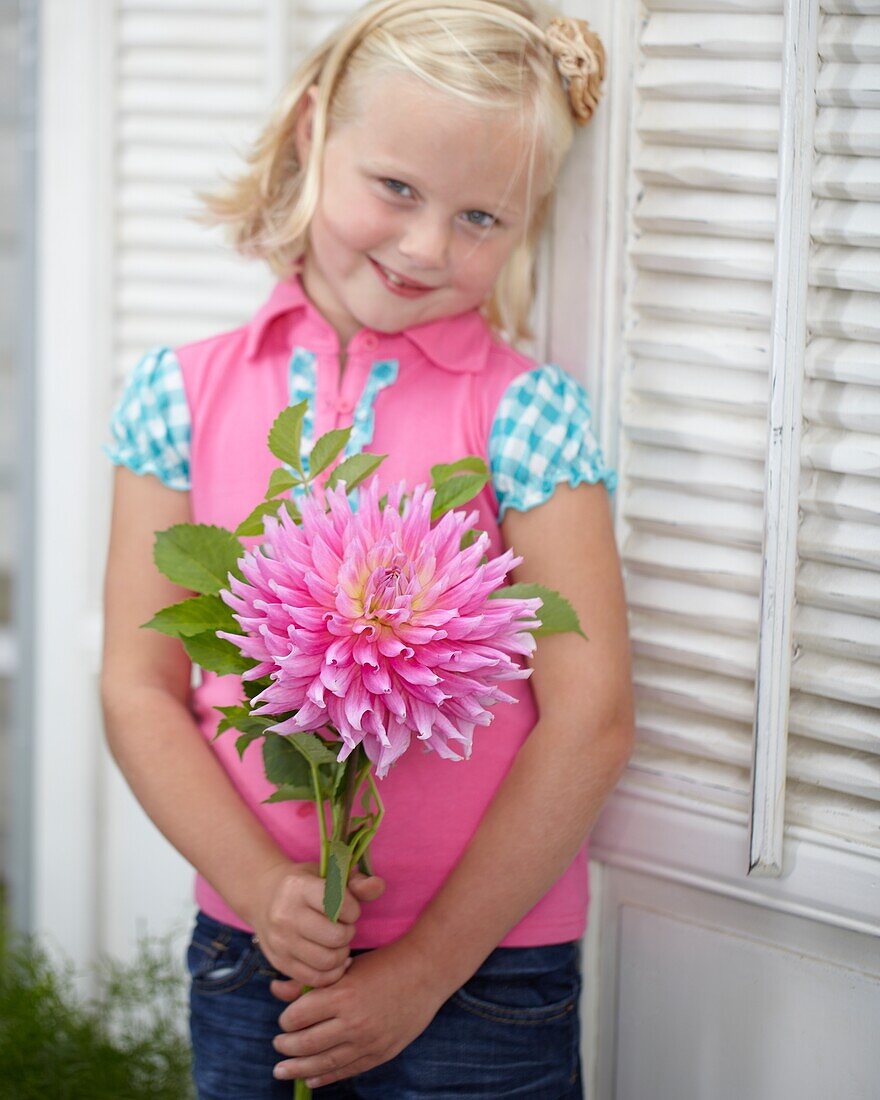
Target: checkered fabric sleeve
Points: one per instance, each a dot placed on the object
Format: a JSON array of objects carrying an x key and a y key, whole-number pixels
[
  {"x": 150, "y": 425},
  {"x": 541, "y": 435}
]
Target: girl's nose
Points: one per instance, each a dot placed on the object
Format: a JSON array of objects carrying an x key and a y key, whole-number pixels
[{"x": 426, "y": 243}]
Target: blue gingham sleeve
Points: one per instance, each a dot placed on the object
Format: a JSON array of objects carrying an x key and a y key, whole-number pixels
[
  {"x": 541, "y": 435},
  {"x": 150, "y": 425}
]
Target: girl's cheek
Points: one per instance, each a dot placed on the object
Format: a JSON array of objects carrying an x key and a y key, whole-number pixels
[{"x": 478, "y": 268}]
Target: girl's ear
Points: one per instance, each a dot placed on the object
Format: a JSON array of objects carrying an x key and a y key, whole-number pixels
[{"x": 303, "y": 127}]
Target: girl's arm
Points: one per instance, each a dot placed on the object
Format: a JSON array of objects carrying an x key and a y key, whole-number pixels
[
  {"x": 549, "y": 800},
  {"x": 145, "y": 682}
]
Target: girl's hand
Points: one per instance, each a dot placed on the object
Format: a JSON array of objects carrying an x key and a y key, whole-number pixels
[
  {"x": 385, "y": 1000},
  {"x": 295, "y": 934}
]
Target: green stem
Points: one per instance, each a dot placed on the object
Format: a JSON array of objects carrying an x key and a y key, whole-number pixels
[
  {"x": 322, "y": 824},
  {"x": 363, "y": 842},
  {"x": 358, "y": 767}
]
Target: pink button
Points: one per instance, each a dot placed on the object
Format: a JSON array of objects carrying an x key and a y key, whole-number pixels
[
  {"x": 371, "y": 341},
  {"x": 305, "y": 808},
  {"x": 345, "y": 405}
]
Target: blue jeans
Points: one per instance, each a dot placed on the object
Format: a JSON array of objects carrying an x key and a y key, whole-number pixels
[{"x": 512, "y": 1030}]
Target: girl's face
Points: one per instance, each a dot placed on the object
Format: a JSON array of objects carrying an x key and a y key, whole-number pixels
[{"x": 421, "y": 187}]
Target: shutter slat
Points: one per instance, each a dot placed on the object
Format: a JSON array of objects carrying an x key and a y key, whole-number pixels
[
  {"x": 709, "y": 213},
  {"x": 847, "y": 130},
  {"x": 664, "y": 425},
  {"x": 678, "y": 643},
  {"x": 847, "y": 178},
  {"x": 843, "y": 85},
  {"x": 850, "y": 223},
  {"x": 703, "y": 517},
  {"x": 729, "y": 125},
  {"x": 843, "y": 361},
  {"x": 704, "y": 256},
  {"x": 847, "y": 452},
  {"x": 701, "y": 34},
  {"x": 848, "y": 39},
  {"x": 834, "y": 721},
  {"x": 703, "y": 167},
  {"x": 240, "y": 25},
  {"x": 706, "y": 387},
  {"x": 725, "y": 477},
  {"x": 851, "y": 315},
  {"x": 698, "y": 605},
  {"x": 740, "y": 81},
  {"x": 844, "y": 406},
  {"x": 836, "y": 769},
  {"x": 839, "y": 588},
  {"x": 824, "y": 811},
  {"x": 839, "y": 542},
  {"x": 847, "y": 268},
  {"x": 837, "y": 632},
  {"x": 843, "y": 496},
  {"x": 717, "y": 696}
]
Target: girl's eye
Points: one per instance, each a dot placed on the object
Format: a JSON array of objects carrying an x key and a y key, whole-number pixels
[
  {"x": 481, "y": 214},
  {"x": 398, "y": 187}
]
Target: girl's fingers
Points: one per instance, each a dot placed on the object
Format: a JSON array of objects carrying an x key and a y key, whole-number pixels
[
  {"x": 302, "y": 974},
  {"x": 286, "y": 989},
  {"x": 367, "y": 888},
  {"x": 322, "y": 931},
  {"x": 337, "y": 1060},
  {"x": 312, "y": 1040}
]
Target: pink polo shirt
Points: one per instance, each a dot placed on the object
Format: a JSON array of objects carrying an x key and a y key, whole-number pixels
[{"x": 422, "y": 396}]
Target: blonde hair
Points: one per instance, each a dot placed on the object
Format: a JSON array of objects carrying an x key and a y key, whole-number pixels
[{"x": 496, "y": 54}]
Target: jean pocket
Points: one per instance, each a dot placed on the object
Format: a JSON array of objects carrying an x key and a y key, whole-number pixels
[
  {"x": 221, "y": 959},
  {"x": 519, "y": 990}
]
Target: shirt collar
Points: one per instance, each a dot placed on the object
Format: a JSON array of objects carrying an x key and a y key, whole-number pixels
[{"x": 460, "y": 344}]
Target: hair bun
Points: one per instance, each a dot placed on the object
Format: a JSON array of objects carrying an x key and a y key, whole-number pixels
[{"x": 580, "y": 61}]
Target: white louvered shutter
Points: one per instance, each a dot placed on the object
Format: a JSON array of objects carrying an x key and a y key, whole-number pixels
[
  {"x": 834, "y": 720},
  {"x": 193, "y": 85},
  {"x": 192, "y": 91},
  {"x": 694, "y": 400}
]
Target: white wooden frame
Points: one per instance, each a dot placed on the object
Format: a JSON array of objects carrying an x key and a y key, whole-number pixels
[
  {"x": 73, "y": 289},
  {"x": 782, "y": 469}
]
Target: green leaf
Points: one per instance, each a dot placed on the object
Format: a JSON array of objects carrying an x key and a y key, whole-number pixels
[
  {"x": 285, "y": 767},
  {"x": 216, "y": 654},
  {"x": 313, "y": 748},
  {"x": 192, "y": 616},
  {"x": 445, "y": 470},
  {"x": 240, "y": 718},
  {"x": 253, "y": 524},
  {"x": 285, "y": 435},
  {"x": 326, "y": 449},
  {"x": 291, "y": 794},
  {"x": 338, "y": 864},
  {"x": 469, "y": 538},
  {"x": 355, "y": 469},
  {"x": 280, "y": 481},
  {"x": 455, "y": 491},
  {"x": 197, "y": 556},
  {"x": 252, "y": 689},
  {"x": 241, "y": 743},
  {"x": 556, "y": 613}
]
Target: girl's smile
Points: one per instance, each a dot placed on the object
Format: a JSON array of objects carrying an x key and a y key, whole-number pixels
[
  {"x": 397, "y": 284},
  {"x": 423, "y": 198}
]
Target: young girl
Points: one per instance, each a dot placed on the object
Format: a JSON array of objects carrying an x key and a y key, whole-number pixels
[{"x": 398, "y": 193}]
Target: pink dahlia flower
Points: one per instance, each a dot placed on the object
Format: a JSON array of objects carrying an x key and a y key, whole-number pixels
[{"x": 375, "y": 623}]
